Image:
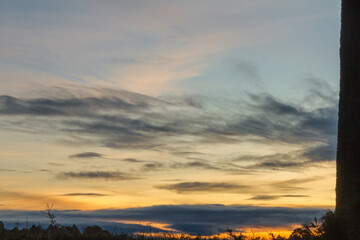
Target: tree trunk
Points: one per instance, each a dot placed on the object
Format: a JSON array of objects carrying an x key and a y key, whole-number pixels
[{"x": 348, "y": 153}]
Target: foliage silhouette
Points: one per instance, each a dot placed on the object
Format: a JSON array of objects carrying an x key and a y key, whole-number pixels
[{"x": 50, "y": 214}]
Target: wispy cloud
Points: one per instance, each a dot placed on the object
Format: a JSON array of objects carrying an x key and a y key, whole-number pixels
[
  {"x": 171, "y": 47},
  {"x": 103, "y": 175},
  {"x": 7, "y": 170},
  {"x": 195, "y": 164},
  {"x": 152, "y": 166},
  {"x": 295, "y": 184},
  {"x": 12, "y": 170},
  {"x": 274, "y": 197},
  {"x": 260, "y": 190},
  {"x": 132, "y": 160},
  {"x": 324, "y": 152},
  {"x": 126, "y": 120},
  {"x": 63, "y": 107},
  {"x": 249, "y": 71},
  {"x": 289, "y": 161},
  {"x": 213, "y": 187},
  {"x": 84, "y": 194},
  {"x": 87, "y": 155}
]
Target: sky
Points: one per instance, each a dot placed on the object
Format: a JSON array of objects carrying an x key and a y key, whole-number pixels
[{"x": 184, "y": 116}]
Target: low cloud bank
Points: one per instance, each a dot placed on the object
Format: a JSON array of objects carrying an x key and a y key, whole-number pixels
[{"x": 193, "y": 219}]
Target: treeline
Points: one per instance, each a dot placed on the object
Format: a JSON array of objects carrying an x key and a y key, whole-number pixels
[
  {"x": 56, "y": 232},
  {"x": 327, "y": 228}
]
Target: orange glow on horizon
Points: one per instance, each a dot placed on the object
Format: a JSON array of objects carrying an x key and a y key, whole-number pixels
[
  {"x": 162, "y": 226},
  {"x": 224, "y": 235},
  {"x": 283, "y": 231}
]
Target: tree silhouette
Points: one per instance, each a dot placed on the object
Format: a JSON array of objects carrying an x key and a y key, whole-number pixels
[{"x": 348, "y": 153}]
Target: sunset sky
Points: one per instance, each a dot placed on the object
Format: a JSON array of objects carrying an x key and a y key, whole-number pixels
[{"x": 183, "y": 115}]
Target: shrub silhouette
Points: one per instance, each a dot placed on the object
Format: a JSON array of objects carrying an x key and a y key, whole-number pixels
[
  {"x": 35, "y": 232},
  {"x": 332, "y": 227},
  {"x": 95, "y": 232},
  {"x": 233, "y": 236},
  {"x": 278, "y": 237}
]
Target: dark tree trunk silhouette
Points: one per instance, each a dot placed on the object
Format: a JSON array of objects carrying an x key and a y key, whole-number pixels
[{"x": 348, "y": 153}]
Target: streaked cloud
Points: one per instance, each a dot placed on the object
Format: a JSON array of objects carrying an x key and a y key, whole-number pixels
[
  {"x": 132, "y": 120},
  {"x": 7, "y": 170},
  {"x": 152, "y": 166},
  {"x": 274, "y": 197},
  {"x": 87, "y": 155},
  {"x": 213, "y": 187},
  {"x": 62, "y": 107},
  {"x": 132, "y": 160},
  {"x": 267, "y": 189},
  {"x": 295, "y": 183},
  {"x": 84, "y": 194},
  {"x": 197, "y": 163},
  {"x": 93, "y": 175}
]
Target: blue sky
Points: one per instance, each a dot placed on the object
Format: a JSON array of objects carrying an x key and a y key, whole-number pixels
[{"x": 135, "y": 104}]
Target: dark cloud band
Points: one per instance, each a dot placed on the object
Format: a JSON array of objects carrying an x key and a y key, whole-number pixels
[{"x": 194, "y": 219}]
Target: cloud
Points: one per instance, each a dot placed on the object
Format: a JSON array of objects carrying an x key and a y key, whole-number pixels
[
  {"x": 325, "y": 152},
  {"x": 87, "y": 155},
  {"x": 293, "y": 184},
  {"x": 226, "y": 166},
  {"x": 178, "y": 36},
  {"x": 127, "y": 120},
  {"x": 213, "y": 187},
  {"x": 32, "y": 199},
  {"x": 186, "y": 153},
  {"x": 132, "y": 160},
  {"x": 290, "y": 161},
  {"x": 44, "y": 170},
  {"x": 55, "y": 164},
  {"x": 63, "y": 107},
  {"x": 7, "y": 170},
  {"x": 249, "y": 71},
  {"x": 279, "y": 162},
  {"x": 274, "y": 197},
  {"x": 273, "y": 106},
  {"x": 84, "y": 194},
  {"x": 12, "y": 170},
  {"x": 152, "y": 166},
  {"x": 198, "y": 163},
  {"x": 276, "y": 120},
  {"x": 193, "y": 219},
  {"x": 278, "y": 165},
  {"x": 104, "y": 175},
  {"x": 289, "y": 164},
  {"x": 267, "y": 189},
  {"x": 64, "y": 217}
]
